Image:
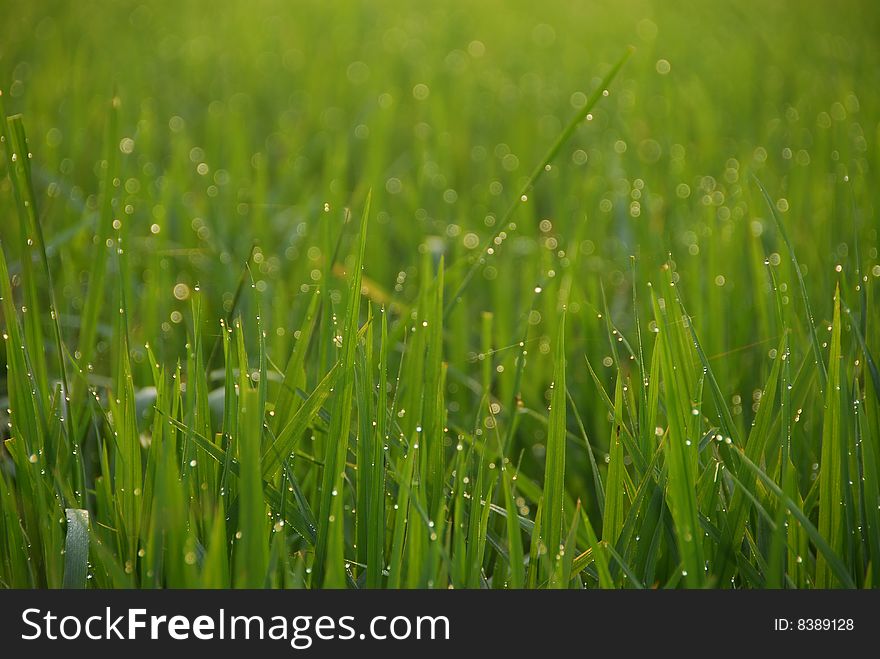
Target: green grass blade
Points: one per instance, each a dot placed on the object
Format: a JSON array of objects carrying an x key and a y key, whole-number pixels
[
  {"x": 433, "y": 402},
  {"x": 76, "y": 548},
  {"x": 18, "y": 158},
  {"x": 376, "y": 513},
  {"x": 679, "y": 457},
  {"x": 251, "y": 556},
  {"x": 835, "y": 564},
  {"x": 329, "y": 569},
  {"x": 738, "y": 508},
  {"x": 811, "y": 323},
  {"x": 562, "y": 574},
  {"x": 598, "y": 554},
  {"x": 831, "y": 468},
  {"x": 612, "y": 519},
  {"x": 514, "y": 533},
  {"x": 283, "y": 444},
  {"x": 294, "y": 373},
  {"x": 554, "y": 470},
  {"x": 401, "y": 519}
]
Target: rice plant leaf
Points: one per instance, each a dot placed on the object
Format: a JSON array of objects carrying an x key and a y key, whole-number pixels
[
  {"x": 251, "y": 558},
  {"x": 597, "y": 554},
  {"x": 294, "y": 374},
  {"x": 76, "y": 548},
  {"x": 811, "y": 323},
  {"x": 834, "y": 562},
  {"x": 831, "y": 467},
  {"x": 284, "y": 442},
  {"x": 375, "y": 490},
  {"x": 401, "y": 520},
  {"x": 433, "y": 401},
  {"x": 514, "y": 534},
  {"x": 554, "y": 470},
  {"x": 329, "y": 569},
  {"x": 612, "y": 519},
  {"x": 679, "y": 449},
  {"x": 562, "y": 574},
  {"x": 738, "y": 508}
]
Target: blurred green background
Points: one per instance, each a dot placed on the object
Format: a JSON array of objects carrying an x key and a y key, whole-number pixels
[{"x": 260, "y": 123}]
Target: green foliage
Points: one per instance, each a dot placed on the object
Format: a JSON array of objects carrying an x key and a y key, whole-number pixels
[{"x": 453, "y": 297}]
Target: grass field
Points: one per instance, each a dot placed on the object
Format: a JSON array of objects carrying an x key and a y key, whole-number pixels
[{"x": 440, "y": 295}]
